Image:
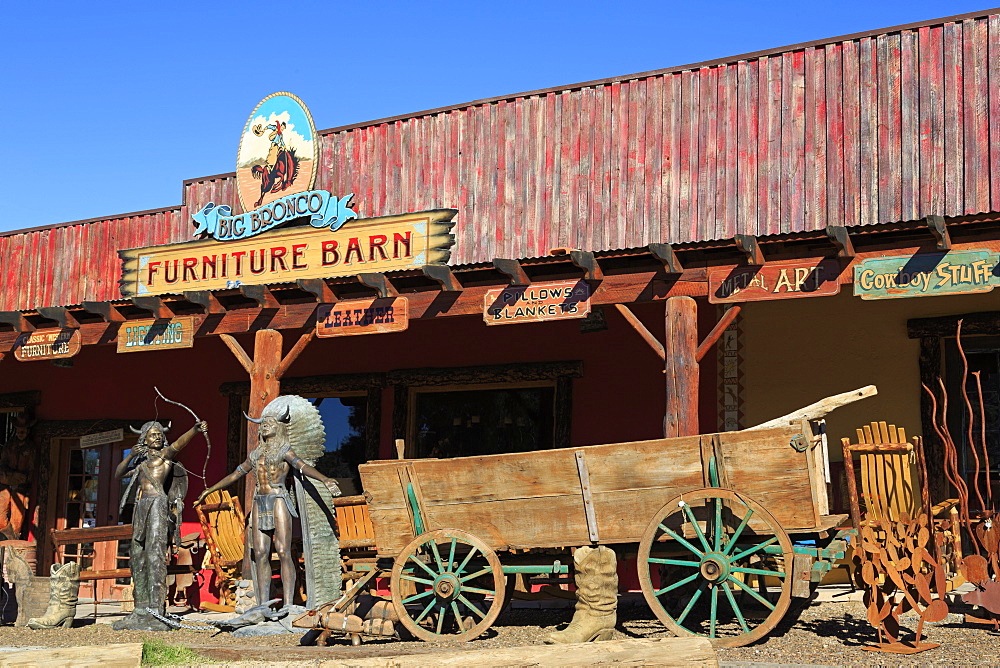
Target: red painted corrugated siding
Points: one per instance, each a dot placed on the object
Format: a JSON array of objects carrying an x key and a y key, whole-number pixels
[
  {"x": 880, "y": 129},
  {"x": 67, "y": 265},
  {"x": 872, "y": 130}
]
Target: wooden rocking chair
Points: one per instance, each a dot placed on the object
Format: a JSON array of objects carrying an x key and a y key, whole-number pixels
[
  {"x": 893, "y": 476},
  {"x": 224, "y": 526}
]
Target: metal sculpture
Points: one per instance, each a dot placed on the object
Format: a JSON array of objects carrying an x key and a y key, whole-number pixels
[
  {"x": 982, "y": 566},
  {"x": 290, "y": 425},
  {"x": 897, "y": 566},
  {"x": 158, "y": 484}
]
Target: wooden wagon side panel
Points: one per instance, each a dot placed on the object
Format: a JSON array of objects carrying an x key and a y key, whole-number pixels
[{"x": 764, "y": 465}]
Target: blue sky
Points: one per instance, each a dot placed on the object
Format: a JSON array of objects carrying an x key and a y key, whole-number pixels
[{"x": 109, "y": 106}]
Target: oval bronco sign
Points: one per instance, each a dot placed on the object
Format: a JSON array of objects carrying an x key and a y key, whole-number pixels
[{"x": 277, "y": 153}]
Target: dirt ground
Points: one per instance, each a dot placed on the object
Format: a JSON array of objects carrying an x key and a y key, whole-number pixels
[{"x": 823, "y": 634}]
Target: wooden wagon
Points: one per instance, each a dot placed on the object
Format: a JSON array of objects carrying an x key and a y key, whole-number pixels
[{"x": 726, "y": 528}]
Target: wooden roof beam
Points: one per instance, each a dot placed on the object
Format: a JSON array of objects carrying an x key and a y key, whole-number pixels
[
  {"x": 206, "y": 300},
  {"x": 747, "y": 243},
  {"x": 842, "y": 240},
  {"x": 106, "y": 310},
  {"x": 17, "y": 320},
  {"x": 260, "y": 294},
  {"x": 154, "y": 305},
  {"x": 585, "y": 260},
  {"x": 378, "y": 282},
  {"x": 939, "y": 228},
  {"x": 319, "y": 289},
  {"x": 443, "y": 276},
  {"x": 513, "y": 270},
  {"x": 60, "y": 314},
  {"x": 665, "y": 254}
]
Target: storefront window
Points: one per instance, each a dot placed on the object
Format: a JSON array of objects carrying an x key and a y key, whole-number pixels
[
  {"x": 983, "y": 354},
  {"x": 344, "y": 419},
  {"x": 461, "y": 423}
]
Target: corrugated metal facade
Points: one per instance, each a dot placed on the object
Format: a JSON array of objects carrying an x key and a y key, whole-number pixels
[{"x": 877, "y": 129}]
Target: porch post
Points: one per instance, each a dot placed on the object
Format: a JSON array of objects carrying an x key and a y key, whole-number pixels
[{"x": 681, "y": 367}]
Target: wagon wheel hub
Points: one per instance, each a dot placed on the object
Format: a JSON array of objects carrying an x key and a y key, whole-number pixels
[
  {"x": 447, "y": 586},
  {"x": 715, "y": 567}
]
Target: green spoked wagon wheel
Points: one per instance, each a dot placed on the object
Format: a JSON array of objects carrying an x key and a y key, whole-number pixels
[
  {"x": 458, "y": 582},
  {"x": 720, "y": 563}
]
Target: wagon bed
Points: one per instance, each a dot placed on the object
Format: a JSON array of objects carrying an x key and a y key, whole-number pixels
[{"x": 598, "y": 494}]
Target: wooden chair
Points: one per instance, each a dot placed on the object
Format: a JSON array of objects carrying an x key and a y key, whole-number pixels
[
  {"x": 893, "y": 477},
  {"x": 224, "y": 527},
  {"x": 356, "y": 534}
]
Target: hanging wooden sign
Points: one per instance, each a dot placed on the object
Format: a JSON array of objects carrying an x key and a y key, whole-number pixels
[
  {"x": 389, "y": 243},
  {"x": 142, "y": 335},
  {"x": 47, "y": 344},
  {"x": 537, "y": 302},
  {"x": 102, "y": 438},
  {"x": 927, "y": 274},
  {"x": 362, "y": 316},
  {"x": 756, "y": 283}
]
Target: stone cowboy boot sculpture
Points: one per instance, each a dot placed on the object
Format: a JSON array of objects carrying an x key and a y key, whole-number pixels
[
  {"x": 596, "y": 597},
  {"x": 64, "y": 586}
]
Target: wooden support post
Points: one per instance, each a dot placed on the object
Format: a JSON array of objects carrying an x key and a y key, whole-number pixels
[
  {"x": 266, "y": 368},
  {"x": 681, "y": 367}
]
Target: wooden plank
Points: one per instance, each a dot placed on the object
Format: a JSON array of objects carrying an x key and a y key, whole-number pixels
[
  {"x": 889, "y": 127},
  {"x": 909, "y": 127},
  {"x": 954, "y": 113},
  {"x": 585, "y": 492},
  {"x": 932, "y": 122},
  {"x": 851, "y": 128},
  {"x": 993, "y": 77},
  {"x": 747, "y": 145},
  {"x": 976, "y": 122},
  {"x": 127, "y": 655}
]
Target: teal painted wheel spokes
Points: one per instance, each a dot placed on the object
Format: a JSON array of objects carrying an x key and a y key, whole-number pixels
[
  {"x": 705, "y": 569},
  {"x": 447, "y": 585}
]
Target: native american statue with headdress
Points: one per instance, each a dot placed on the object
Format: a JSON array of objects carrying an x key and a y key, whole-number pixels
[
  {"x": 291, "y": 437},
  {"x": 157, "y": 485}
]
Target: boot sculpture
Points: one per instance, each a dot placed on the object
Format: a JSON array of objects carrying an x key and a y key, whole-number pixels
[
  {"x": 596, "y": 597},
  {"x": 64, "y": 586}
]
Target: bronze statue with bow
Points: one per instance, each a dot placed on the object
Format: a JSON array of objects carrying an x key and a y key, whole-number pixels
[{"x": 157, "y": 484}]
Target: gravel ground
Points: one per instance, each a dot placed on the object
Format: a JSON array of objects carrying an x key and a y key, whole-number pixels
[{"x": 823, "y": 634}]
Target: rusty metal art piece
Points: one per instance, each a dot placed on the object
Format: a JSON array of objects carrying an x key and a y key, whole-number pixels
[
  {"x": 982, "y": 566},
  {"x": 896, "y": 565}
]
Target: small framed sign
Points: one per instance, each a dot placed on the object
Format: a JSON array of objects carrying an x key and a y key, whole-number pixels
[
  {"x": 537, "y": 302},
  {"x": 144, "y": 335},
  {"x": 362, "y": 316},
  {"x": 47, "y": 344},
  {"x": 102, "y": 437}
]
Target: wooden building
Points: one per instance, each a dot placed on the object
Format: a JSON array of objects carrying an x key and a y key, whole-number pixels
[{"x": 819, "y": 187}]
